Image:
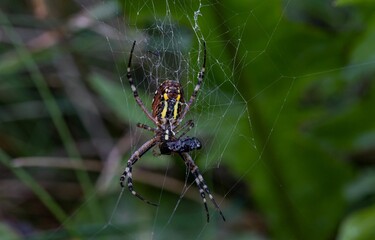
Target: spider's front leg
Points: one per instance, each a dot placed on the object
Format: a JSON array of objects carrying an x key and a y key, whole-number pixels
[
  {"x": 197, "y": 87},
  {"x": 134, "y": 89},
  {"x": 128, "y": 170}
]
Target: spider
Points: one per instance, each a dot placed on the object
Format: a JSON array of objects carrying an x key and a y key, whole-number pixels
[{"x": 168, "y": 111}]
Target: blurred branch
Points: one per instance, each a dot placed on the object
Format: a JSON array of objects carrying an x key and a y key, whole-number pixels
[
  {"x": 85, "y": 19},
  {"x": 148, "y": 177},
  {"x": 172, "y": 185},
  {"x": 112, "y": 164},
  {"x": 83, "y": 101},
  {"x": 57, "y": 162},
  {"x": 43, "y": 195}
]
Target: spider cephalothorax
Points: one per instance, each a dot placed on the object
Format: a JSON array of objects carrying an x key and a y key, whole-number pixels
[{"x": 168, "y": 111}]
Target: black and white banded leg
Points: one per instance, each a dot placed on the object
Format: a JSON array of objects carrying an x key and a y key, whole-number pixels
[
  {"x": 146, "y": 127},
  {"x": 203, "y": 189},
  {"x": 197, "y": 87},
  {"x": 128, "y": 170},
  {"x": 134, "y": 89}
]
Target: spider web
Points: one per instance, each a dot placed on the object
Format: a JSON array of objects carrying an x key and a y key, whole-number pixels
[{"x": 169, "y": 46}]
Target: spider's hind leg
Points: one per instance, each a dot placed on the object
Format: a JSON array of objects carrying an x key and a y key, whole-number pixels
[
  {"x": 201, "y": 184},
  {"x": 127, "y": 174}
]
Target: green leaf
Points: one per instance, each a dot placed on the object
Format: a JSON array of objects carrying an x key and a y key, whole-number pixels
[
  {"x": 352, "y": 2},
  {"x": 7, "y": 234},
  {"x": 360, "y": 225},
  {"x": 363, "y": 52},
  {"x": 120, "y": 99}
]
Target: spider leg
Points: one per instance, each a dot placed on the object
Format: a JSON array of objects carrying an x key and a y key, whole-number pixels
[
  {"x": 134, "y": 89},
  {"x": 187, "y": 126},
  {"x": 148, "y": 128},
  {"x": 197, "y": 87},
  {"x": 200, "y": 183},
  {"x": 196, "y": 175},
  {"x": 128, "y": 170}
]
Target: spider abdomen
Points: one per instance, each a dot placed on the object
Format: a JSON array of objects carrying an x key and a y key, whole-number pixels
[{"x": 167, "y": 101}]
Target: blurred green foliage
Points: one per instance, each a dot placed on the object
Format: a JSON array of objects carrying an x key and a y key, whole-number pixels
[{"x": 285, "y": 114}]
